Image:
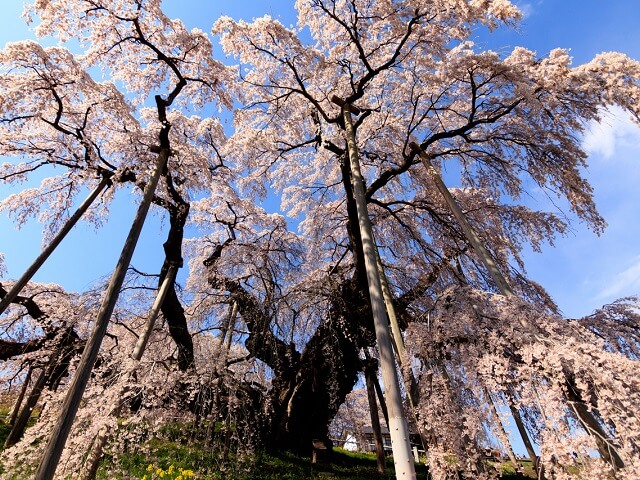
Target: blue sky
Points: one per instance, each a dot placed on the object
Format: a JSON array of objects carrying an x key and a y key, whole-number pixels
[{"x": 582, "y": 272}]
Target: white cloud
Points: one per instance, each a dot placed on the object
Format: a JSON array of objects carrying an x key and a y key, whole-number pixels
[
  {"x": 624, "y": 283},
  {"x": 525, "y": 8},
  {"x": 528, "y": 8},
  {"x": 616, "y": 129}
]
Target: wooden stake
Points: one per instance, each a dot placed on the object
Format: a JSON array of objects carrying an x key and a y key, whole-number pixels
[
  {"x": 469, "y": 232},
  {"x": 503, "y": 435},
  {"x": 95, "y": 454},
  {"x": 141, "y": 344},
  {"x": 23, "y": 390},
  {"x": 589, "y": 422},
  {"x": 370, "y": 371},
  {"x": 489, "y": 263}
]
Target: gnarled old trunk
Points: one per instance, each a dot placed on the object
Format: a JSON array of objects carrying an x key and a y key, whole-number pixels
[
  {"x": 171, "y": 307},
  {"x": 305, "y": 402},
  {"x": 308, "y": 387}
]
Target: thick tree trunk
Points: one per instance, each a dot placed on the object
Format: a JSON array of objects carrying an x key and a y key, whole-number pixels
[
  {"x": 171, "y": 307},
  {"x": 308, "y": 396},
  {"x": 308, "y": 387}
]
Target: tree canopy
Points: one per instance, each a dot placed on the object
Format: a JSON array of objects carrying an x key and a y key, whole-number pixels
[{"x": 273, "y": 325}]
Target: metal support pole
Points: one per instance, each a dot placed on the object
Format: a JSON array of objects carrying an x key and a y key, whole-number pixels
[{"x": 400, "y": 443}]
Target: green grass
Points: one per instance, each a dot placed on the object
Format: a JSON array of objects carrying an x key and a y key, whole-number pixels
[
  {"x": 509, "y": 471},
  {"x": 208, "y": 465},
  {"x": 342, "y": 466}
]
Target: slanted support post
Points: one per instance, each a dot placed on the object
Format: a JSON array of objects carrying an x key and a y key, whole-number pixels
[
  {"x": 141, "y": 344},
  {"x": 400, "y": 443},
  {"x": 473, "y": 238},
  {"x": 371, "y": 371},
  {"x": 58, "y": 439},
  {"x": 44, "y": 255},
  {"x": 95, "y": 453},
  {"x": 589, "y": 421}
]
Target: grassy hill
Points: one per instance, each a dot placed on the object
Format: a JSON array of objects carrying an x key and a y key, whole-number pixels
[{"x": 170, "y": 464}]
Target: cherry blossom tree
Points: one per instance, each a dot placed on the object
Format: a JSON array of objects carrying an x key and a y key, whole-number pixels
[
  {"x": 270, "y": 328},
  {"x": 499, "y": 122},
  {"x": 57, "y": 115}
]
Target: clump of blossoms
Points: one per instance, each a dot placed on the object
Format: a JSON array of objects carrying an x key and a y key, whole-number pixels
[{"x": 478, "y": 349}]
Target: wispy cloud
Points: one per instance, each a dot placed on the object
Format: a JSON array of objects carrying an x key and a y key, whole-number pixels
[
  {"x": 624, "y": 283},
  {"x": 525, "y": 8},
  {"x": 614, "y": 130},
  {"x": 528, "y": 8}
]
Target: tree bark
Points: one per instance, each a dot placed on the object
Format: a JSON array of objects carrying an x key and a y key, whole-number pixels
[
  {"x": 308, "y": 387},
  {"x": 171, "y": 307}
]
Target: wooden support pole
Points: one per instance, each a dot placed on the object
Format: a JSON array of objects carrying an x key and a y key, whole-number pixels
[
  {"x": 141, "y": 344},
  {"x": 95, "y": 454},
  {"x": 370, "y": 371},
  {"x": 20, "y": 424},
  {"x": 486, "y": 259},
  {"x": 396, "y": 335},
  {"x": 528, "y": 445},
  {"x": 473, "y": 238},
  {"x": 399, "y": 431},
  {"x": 231, "y": 325},
  {"x": 587, "y": 418},
  {"x": 55, "y": 446},
  {"x": 66, "y": 228},
  {"x": 18, "y": 403},
  {"x": 503, "y": 435}
]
